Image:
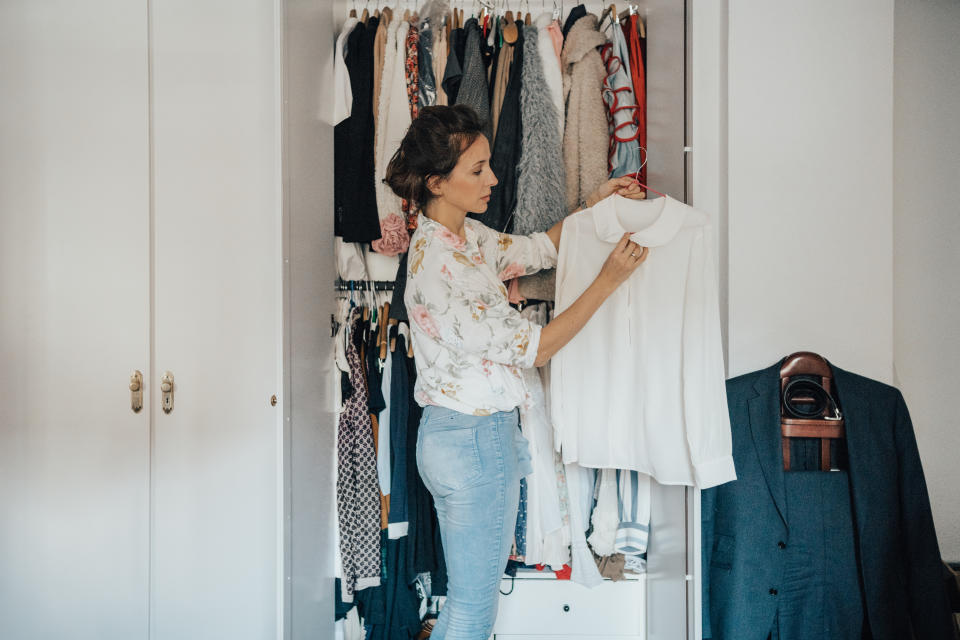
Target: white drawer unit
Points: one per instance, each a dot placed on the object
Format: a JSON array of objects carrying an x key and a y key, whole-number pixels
[{"x": 545, "y": 609}]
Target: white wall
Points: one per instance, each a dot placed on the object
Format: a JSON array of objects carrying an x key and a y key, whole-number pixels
[
  {"x": 926, "y": 229},
  {"x": 810, "y": 209}
]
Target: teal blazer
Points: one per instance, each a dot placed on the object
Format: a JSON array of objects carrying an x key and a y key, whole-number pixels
[{"x": 745, "y": 520}]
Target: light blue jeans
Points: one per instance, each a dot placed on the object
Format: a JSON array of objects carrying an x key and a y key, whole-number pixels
[{"x": 472, "y": 465}]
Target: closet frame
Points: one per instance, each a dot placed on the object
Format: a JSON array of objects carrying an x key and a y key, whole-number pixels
[{"x": 687, "y": 160}]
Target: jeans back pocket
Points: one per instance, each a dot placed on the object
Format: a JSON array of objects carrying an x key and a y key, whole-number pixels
[{"x": 448, "y": 458}]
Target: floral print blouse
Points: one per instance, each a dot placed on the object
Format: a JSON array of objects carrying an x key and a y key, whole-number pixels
[{"x": 468, "y": 342}]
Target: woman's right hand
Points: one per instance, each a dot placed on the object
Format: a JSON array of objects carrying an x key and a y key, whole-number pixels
[{"x": 622, "y": 262}]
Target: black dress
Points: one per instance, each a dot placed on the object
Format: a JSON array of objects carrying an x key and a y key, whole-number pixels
[{"x": 354, "y": 195}]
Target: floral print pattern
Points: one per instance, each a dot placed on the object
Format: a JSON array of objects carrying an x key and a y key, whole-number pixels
[
  {"x": 413, "y": 70},
  {"x": 468, "y": 342}
]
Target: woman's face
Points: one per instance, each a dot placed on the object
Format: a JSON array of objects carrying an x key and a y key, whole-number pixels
[{"x": 468, "y": 186}]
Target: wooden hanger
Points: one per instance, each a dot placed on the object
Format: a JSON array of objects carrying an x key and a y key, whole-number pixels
[
  {"x": 509, "y": 29},
  {"x": 611, "y": 12},
  {"x": 826, "y": 427},
  {"x": 392, "y": 324},
  {"x": 384, "y": 338},
  {"x": 364, "y": 16}
]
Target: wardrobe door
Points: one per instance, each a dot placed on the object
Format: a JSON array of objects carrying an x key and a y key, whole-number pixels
[
  {"x": 74, "y": 319},
  {"x": 217, "y": 456}
]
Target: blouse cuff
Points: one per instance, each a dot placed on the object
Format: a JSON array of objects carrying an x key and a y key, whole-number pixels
[
  {"x": 714, "y": 472},
  {"x": 545, "y": 249},
  {"x": 528, "y": 359}
]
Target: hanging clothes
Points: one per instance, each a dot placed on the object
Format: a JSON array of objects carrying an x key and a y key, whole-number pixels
[
  {"x": 580, "y": 482},
  {"x": 358, "y": 494},
  {"x": 393, "y": 121},
  {"x": 547, "y": 540},
  {"x": 391, "y": 611},
  {"x": 623, "y": 157},
  {"x": 663, "y": 412},
  {"x": 355, "y": 205},
  {"x": 549, "y": 42},
  {"x": 540, "y": 180},
  {"x": 605, "y": 517},
  {"x": 413, "y": 70},
  {"x": 425, "y": 549},
  {"x": 428, "y": 85},
  {"x": 453, "y": 71},
  {"x": 500, "y": 79},
  {"x": 575, "y": 14},
  {"x": 474, "y": 88},
  {"x": 376, "y": 404},
  {"x": 633, "y": 505},
  {"x": 638, "y": 76},
  {"x": 440, "y": 56},
  {"x": 585, "y": 134},
  {"x": 342, "y": 93},
  {"x": 379, "y": 61},
  {"x": 506, "y": 150},
  {"x": 400, "y": 394},
  {"x": 349, "y": 259},
  {"x": 384, "y": 449}
]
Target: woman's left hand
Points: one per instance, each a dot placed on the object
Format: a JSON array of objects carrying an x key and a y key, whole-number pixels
[{"x": 625, "y": 186}]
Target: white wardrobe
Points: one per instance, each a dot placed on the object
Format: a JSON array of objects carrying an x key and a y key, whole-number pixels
[{"x": 166, "y": 207}]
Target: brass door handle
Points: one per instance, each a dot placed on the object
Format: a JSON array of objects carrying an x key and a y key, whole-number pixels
[
  {"x": 166, "y": 392},
  {"x": 136, "y": 391}
]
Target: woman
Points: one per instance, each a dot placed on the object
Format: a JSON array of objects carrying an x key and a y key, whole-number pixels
[{"x": 470, "y": 344}]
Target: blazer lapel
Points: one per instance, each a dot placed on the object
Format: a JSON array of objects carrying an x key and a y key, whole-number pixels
[{"x": 765, "y": 428}]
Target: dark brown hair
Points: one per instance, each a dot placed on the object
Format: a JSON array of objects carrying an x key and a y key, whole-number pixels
[{"x": 431, "y": 147}]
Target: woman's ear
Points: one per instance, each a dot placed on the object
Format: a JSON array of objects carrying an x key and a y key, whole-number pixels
[{"x": 433, "y": 184}]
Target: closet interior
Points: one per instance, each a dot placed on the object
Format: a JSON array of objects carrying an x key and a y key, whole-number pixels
[{"x": 430, "y": 53}]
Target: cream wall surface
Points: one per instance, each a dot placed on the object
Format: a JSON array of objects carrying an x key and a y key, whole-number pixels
[
  {"x": 926, "y": 263},
  {"x": 810, "y": 161}
]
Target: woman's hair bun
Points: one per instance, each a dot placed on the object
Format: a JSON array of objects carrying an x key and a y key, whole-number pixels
[{"x": 431, "y": 147}]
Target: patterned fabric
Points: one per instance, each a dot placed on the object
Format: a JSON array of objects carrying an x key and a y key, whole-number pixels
[
  {"x": 639, "y": 79},
  {"x": 358, "y": 493},
  {"x": 413, "y": 70},
  {"x": 469, "y": 343},
  {"x": 413, "y": 96},
  {"x": 622, "y": 111},
  {"x": 633, "y": 503}
]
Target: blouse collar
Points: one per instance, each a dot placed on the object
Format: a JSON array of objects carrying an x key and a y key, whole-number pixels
[{"x": 665, "y": 216}]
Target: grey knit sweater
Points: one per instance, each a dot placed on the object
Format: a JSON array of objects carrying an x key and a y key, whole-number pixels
[{"x": 474, "y": 89}]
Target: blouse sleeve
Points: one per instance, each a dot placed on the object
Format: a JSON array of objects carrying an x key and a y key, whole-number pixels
[{"x": 517, "y": 256}]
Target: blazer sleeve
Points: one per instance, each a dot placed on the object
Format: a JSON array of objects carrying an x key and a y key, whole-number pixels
[{"x": 927, "y": 599}]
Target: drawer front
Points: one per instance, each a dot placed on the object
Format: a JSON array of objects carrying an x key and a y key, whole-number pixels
[{"x": 548, "y": 608}]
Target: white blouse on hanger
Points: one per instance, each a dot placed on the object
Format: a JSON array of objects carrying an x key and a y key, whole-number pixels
[{"x": 642, "y": 386}]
